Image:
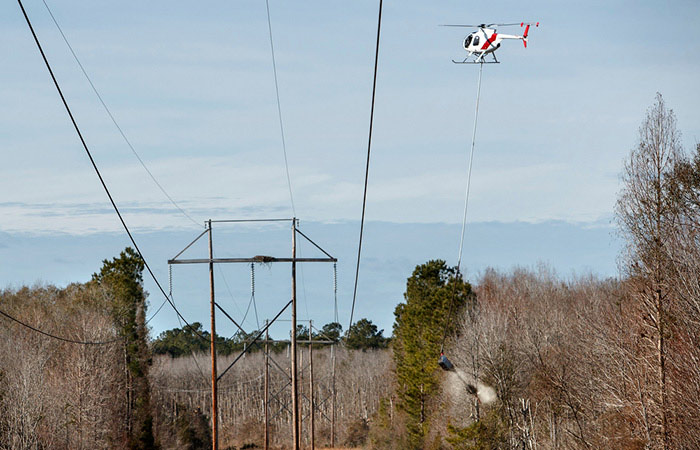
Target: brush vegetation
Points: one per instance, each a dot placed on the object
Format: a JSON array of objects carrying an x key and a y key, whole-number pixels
[{"x": 578, "y": 362}]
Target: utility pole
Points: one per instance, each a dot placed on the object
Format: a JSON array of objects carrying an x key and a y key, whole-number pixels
[
  {"x": 333, "y": 396},
  {"x": 293, "y": 302},
  {"x": 214, "y": 396},
  {"x": 301, "y": 381},
  {"x": 293, "y": 338},
  {"x": 311, "y": 388},
  {"x": 333, "y": 352},
  {"x": 267, "y": 387}
]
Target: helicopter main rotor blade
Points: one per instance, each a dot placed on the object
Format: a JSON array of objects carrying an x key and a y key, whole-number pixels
[
  {"x": 481, "y": 25},
  {"x": 503, "y": 24}
]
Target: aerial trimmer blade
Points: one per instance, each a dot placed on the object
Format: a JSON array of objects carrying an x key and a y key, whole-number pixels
[
  {"x": 445, "y": 363},
  {"x": 447, "y": 366}
]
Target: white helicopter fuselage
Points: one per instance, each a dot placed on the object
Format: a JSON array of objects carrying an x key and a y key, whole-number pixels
[{"x": 486, "y": 40}]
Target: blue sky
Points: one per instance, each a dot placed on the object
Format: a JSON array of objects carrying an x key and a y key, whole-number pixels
[{"x": 191, "y": 84}]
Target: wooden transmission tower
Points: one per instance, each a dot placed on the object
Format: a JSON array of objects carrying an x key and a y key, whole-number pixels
[{"x": 213, "y": 306}]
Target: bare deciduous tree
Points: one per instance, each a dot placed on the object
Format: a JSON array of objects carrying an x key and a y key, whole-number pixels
[
  {"x": 362, "y": 382},
  {"x": 647, "y": 215}
]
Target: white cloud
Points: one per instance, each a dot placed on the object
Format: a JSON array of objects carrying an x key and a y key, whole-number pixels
[
  {"x": 72, "y": 201},
  {"x": 194, "y": 91}
]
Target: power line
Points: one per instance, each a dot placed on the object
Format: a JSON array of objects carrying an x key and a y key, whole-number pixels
[
  {"x": 170, "y": 280},
  {"x": 157, "y": 311},
  {"x": 26, "y": 325},
  {"x": 228, "y": 289},
  {"x": 170, "y": 295},
  {"x": 303, "y": 284},
  {"x": 335, "y": 292},
  {"x": 279, "y": 107},
  {"x": 114, "y": 121},
  {"x": 97, "y": 171},
  {"x": 369, "y": 148}
]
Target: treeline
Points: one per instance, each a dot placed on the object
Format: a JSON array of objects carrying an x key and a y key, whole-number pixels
[
  {"x": 182, "y": 397},
  {"x": 189, "y": 340},
  {"x": 87, "y": 377},
  {"x": 534, "y": 368},
  {"x": 87, "y": 387},
  {"x": 542, "y": 362}
]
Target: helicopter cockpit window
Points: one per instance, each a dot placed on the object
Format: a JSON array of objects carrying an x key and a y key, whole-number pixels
[
  {"x": 468, "y": 41},
  {"x": 476, "y": 40}
]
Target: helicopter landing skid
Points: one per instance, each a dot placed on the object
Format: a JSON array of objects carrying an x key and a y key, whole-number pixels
[
  {"x": 478, "y": 59},
  {"x": 475, "y": 62}
]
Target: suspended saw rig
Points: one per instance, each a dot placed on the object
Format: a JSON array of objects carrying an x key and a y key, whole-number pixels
[
  {"x": 445, "y": 363},
  {"x": 485, "y": 40}
]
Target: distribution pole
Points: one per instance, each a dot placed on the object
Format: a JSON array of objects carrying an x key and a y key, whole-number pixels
[
  {"x": 267, "y": 386},
  {"x": 293, "y": 302},
  {"x": 311, "y": 388},
  {"x": 214, "y": 406},
  {"x": 293, "y": 338},
  {"x": 333, "y": 351},
  {"x": 333, "y": 396}
]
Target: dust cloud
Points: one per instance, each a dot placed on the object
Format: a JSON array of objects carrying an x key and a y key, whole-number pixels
[{"x": 460, "y": 386}]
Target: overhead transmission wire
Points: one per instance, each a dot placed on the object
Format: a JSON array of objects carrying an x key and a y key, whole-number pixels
[
  {"x": 157, "y": 311},
  {"x": 121, "y": 132},
  {"x": 114, "y": 121},
  {"x": 97, "y": 171},
  {"x": 466, "y": 208},
  {"x": 369, "y": 148},
  {"x": 72, "y": 341},
  {"x": 170, "y": 294},
  {"x": 303, "y": 284},
  {"x": 284, "y": 144},
  {"x": 250, "y": 301},
  {"x": 335, "y": 292},
  {"x": 228, "y": 288},
  {"x": 279, "y": 107}
]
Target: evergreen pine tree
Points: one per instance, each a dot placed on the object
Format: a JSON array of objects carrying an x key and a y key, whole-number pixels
[
  {"x": 421, "y": 322},
  {"x": 123, "y": 280}
]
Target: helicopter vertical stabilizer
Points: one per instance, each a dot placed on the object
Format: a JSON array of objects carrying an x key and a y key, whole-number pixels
[
  {"x": 527, "y": 28},
  {"x": 527, "y": 31}
]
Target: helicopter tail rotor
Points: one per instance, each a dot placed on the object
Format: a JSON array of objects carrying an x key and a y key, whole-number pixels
[{"x": 527, "y": 30}]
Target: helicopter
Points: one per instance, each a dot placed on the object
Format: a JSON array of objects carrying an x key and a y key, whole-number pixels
[{"x": 486, "y": 40}]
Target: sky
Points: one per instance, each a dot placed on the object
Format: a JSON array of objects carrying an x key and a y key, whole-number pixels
[{"x": 192, "y": 87}]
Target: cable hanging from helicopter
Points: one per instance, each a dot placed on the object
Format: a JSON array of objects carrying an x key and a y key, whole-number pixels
[{"x": 485, "y": 40}]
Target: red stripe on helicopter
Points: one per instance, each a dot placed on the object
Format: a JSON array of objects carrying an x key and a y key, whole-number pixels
[{"x": 489, "y": 41}]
